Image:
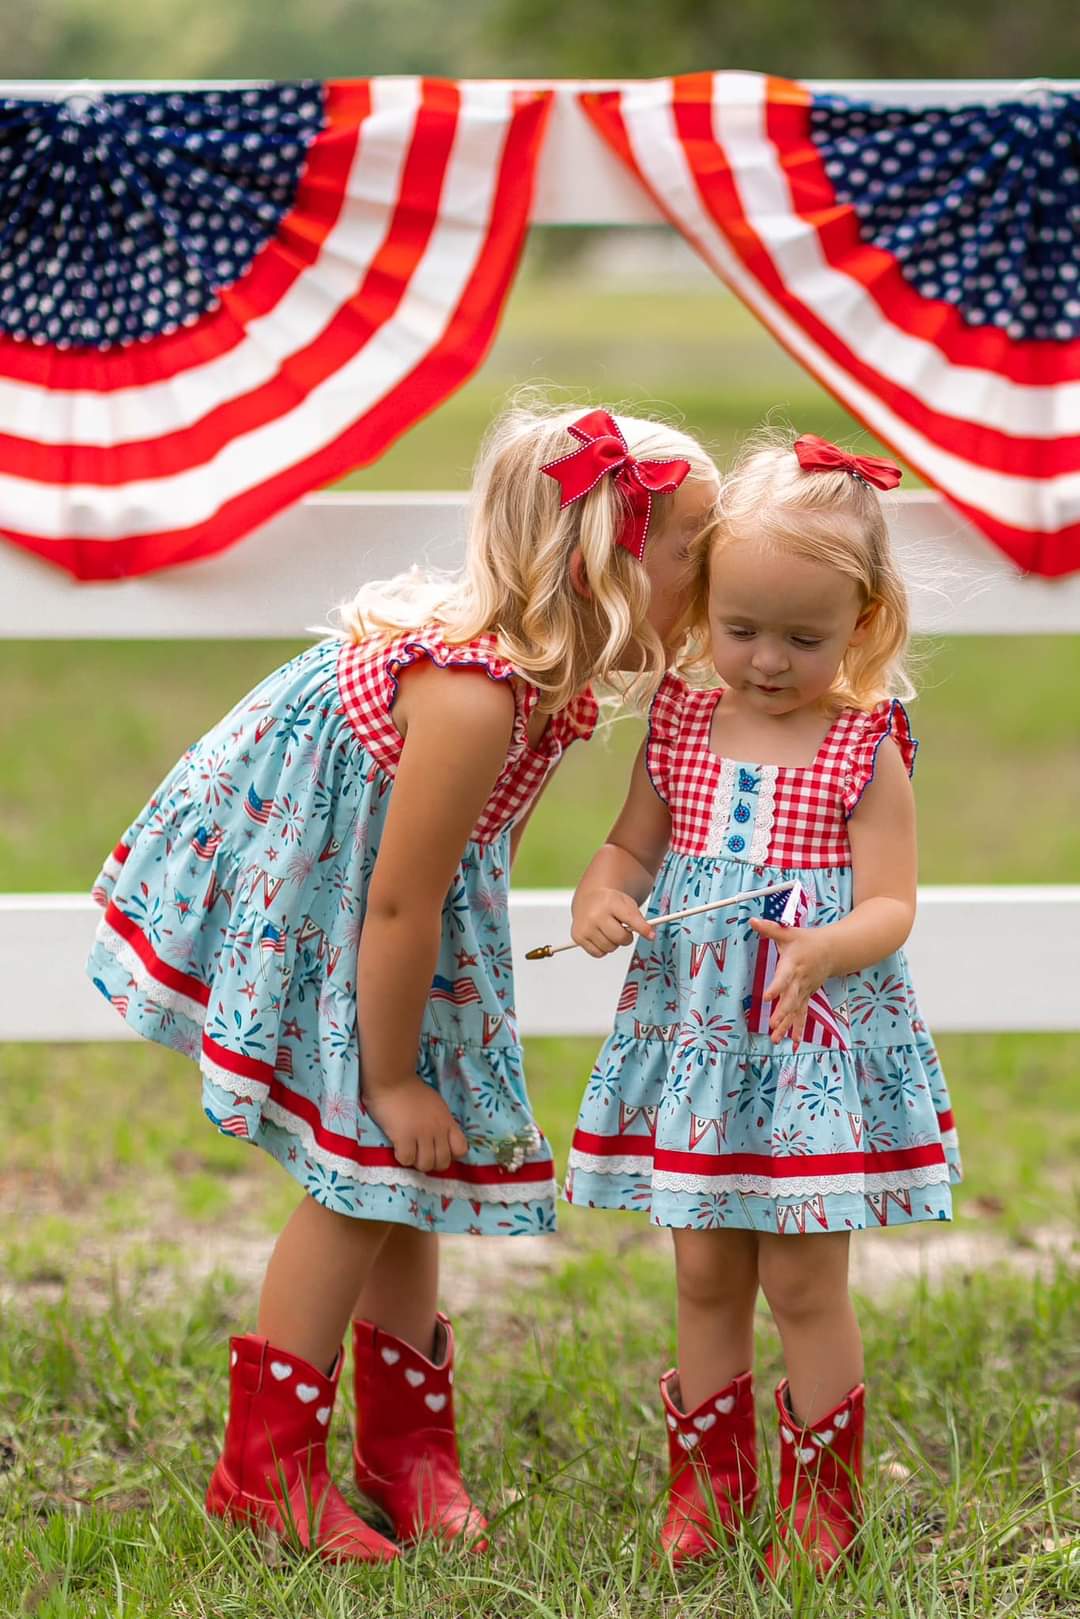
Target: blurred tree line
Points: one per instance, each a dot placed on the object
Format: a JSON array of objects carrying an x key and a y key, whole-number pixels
[{"x": 66, "y": 39}]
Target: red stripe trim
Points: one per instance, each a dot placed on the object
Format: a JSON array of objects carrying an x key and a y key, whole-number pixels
[
  {"x": 235, "y": 1062},
  {"x": 297, "y": 244},
  {"x": 120, "y": 853},
  {"x": 302, "y": 1107},
  {"x": 736, "y": 1163},
  {"x": 169, "y": 977},
  {"x": 462, "y": 349}
]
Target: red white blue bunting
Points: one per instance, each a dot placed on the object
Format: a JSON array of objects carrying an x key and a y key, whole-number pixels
[
  {"x": 214, "y": 301},
  {"x": 921, "y": 262}
]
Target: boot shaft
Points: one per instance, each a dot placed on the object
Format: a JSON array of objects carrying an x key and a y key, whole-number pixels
[{"x": 280, "y": 1408}]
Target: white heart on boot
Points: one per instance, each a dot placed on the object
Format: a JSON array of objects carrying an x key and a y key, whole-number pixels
[
  {"x": 704, "y": 1423},
  {"x": 435, "y": 1402},
  {"x": 826, "y": 1437},
  {"x": 808, "y": 1453},
  {"x": 672, "y": 1422},
  {"x": 307, "y": 1392},
  {"x": 725, "y": 1404},
  {"x": 689, "y": 1440},
  {"x": 786, "y": 1435},
  {"x": 841, "y": 1419},
  {"x": 414, "y": 1376},
  {"x": 323, "y": 1414},
  {"x": 390, "y": 1356},
  {"x": 280, "y": 1369}
]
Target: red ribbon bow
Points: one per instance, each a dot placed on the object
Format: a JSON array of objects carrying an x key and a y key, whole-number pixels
[
  {"x": 818, "y": 455},
  {"x": 604, "y": 451}
]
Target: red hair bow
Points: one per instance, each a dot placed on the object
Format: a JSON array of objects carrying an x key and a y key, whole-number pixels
[
  {"x": 603, "y": 450},
  {"x": 818, "y": 455}
]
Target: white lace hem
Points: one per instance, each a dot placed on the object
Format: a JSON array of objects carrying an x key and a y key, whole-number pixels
[
  {"x": 172, "y": 1000},
  {"x": 761, "y": 1185},
  {"x": 395, "y": 1175}
]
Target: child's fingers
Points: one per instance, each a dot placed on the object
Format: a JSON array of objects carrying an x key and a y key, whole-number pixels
[
  {"x": 631, "y": 916},
  {"x": 459, "y": 1144},
  {"x": 405, "y": 1149},
  {"x": 771, "y": 930}
]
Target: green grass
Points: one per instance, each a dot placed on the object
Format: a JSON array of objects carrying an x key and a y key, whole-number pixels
[{"x": 113, "y": 1419}]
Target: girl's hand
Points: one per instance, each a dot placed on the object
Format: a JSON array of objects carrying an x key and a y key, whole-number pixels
[
  {"x": 801, "y": 969},
  {"x": 605, "y": 918},
  {"x": 417, "y": 1122}
]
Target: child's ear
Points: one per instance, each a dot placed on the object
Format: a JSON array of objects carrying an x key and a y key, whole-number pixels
[
  {"x": 863, "y": 624},
  {"x": 579, "y": 582}
]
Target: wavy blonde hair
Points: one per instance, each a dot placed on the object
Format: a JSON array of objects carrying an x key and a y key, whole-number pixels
[
  {"x": 827, "y": 517},
  {"x": 516, "y": 582}
]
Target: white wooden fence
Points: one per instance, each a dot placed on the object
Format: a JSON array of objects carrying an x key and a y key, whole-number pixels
[{"x": 317, "y": 552}]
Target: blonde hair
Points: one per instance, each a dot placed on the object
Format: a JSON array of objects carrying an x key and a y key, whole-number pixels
[
  {"x": 516, "y": 583},
  {"x": 829, "y": 517}
]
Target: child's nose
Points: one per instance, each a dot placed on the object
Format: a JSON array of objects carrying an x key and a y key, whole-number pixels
[{"x": 770, "y": 660}]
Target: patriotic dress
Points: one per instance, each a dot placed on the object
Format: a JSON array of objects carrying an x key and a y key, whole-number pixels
[
  {"x": 694, "y": 1116},
  {"x": 233, "y": 909}
]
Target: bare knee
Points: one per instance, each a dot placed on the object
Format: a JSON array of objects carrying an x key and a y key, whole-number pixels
[
  {"x": 714, "y": 1274},
  {"x": 803, "y": 1276}
]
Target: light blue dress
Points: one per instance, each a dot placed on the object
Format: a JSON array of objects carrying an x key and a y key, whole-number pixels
[
  {"x": 692, "y": 1115},
  {"x": 233, "y": 911}
]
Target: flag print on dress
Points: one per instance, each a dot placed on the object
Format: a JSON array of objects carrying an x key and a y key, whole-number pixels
[
  {"x": 851, "y": 1128},
  {"x": 215, "y": 300},
  {"x": 921, "y": 261},
  {"x": 255, "y": 979}
]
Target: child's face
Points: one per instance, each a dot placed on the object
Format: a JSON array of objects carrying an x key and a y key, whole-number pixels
[
  {"x": 667, "y": 552},
  {"x": 780, "y": 624}
]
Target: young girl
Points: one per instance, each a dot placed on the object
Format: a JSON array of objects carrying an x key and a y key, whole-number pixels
[
  {"x": 313, "y": 908},
  {"x": 768, "y": 1088}
]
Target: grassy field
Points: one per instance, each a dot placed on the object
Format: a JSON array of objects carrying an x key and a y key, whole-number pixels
[{"x": 131, "y": 1233}]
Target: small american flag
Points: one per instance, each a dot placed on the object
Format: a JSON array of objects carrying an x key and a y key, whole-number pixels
[
  {"x": 272, "y": 940},
  {"x": 257, "y": 809},
  {"x": 206, "y": 844},
  {"x": 790, "y": 907},
  {"x": 462, "y": 992},
  {"x": 233, "y": 1126},
  {"x": 628, "y": 998}
]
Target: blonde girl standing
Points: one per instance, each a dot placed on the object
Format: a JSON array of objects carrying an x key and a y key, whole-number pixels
[{"x": 770, "y": 1087}]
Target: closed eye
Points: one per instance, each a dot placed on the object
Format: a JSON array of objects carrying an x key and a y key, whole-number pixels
[{"x": 804, "y": 640}]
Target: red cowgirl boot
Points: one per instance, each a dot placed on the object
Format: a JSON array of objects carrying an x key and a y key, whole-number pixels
[
  {"x": 713, "y": 1456},
  {"x": 406, "y": 1455},
  {"x": 273, "y": 1468},
  {"x": 819, "y": 1502}
]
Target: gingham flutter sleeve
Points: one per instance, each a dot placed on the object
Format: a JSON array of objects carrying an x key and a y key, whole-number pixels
[
  {"x": 887, "y": 719},
  {"x": 665, "y": 719}
]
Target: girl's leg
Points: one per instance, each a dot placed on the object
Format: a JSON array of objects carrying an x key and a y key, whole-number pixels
[
  {"x": 716, "y": 1277},
  {"x": 805, "y": 1280},
  {"x": 319, "y": 1264},
  {"x": 400, "y": 1293}
]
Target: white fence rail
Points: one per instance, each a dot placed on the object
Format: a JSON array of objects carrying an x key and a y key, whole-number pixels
[{"x": 318, "y": 551}]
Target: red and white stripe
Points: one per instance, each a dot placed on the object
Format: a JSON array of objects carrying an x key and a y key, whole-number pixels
[
  {"x": 821, "y": 1026},
  {"x": 378, "y": 296},
  {"x": 992, "y": 422}
]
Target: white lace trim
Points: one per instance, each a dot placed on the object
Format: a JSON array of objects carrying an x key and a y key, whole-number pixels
[
  {"x": 893, "y": 1180},
  {"x": 173, "y": 1000},
  {"x": 374, "y": 1174},
  {"x": 718, "y": 820},
  {"x": 762, "y": 1185},
  {"x": 764, "y": 815}
]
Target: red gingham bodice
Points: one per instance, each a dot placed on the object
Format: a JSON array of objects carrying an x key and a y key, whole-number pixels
[
  {"x": 764, "y": 815},
  {"x": 368, "y": 683}
]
